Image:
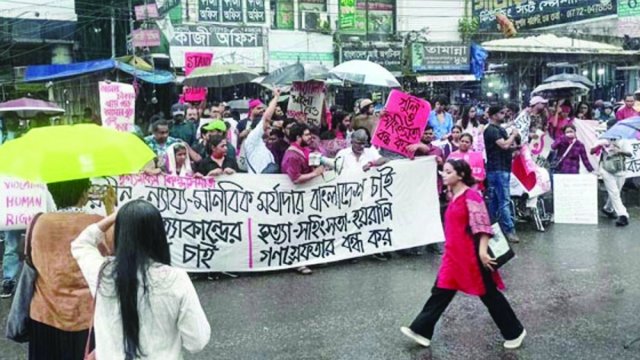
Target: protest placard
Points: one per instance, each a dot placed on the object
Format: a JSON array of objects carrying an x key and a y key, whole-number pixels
[
  {"x": 575, "y": 198},
  {"x": 117, "y": 105},
  {"x": 588, "y": 132},
  {"x": 306, "y": 101},
  {"x": 20, "y": 200},
  {"x": 194, "y": 60},
  {"x": 242, "y": 223},
  {"x": 402, "y": 122}
]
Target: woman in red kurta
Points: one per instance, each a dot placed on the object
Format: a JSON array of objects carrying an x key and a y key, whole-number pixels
[{"x": 466, "y": 264}]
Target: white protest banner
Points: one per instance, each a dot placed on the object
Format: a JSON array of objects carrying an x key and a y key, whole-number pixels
[
  {"x": 20, "y": 200},
  {"x": 588, "y": 132},
  {"x": 247, "y": 222},
  {"x": 306, "y": 101},
  {"x": 117, "y": 105},
  {"x": 575, "y": 198}
]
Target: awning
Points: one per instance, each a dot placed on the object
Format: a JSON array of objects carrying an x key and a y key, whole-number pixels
[
  {"x": 549, "y": 43},
  {"x": 39, "y": 73}
]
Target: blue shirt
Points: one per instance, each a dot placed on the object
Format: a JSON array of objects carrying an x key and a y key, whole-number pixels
[{"x": 440, "y": 129}]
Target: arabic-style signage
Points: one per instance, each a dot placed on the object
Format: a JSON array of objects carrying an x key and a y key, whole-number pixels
[
  {"x": 531, "y": 14},
  {"x": 208, "y": 10},
  {"x": 217, "y": 36},
  {"x": 440, "y": 57},
  {"x": 256, "y": 12},
  {"x": 389, "y": 56},
  {"x": 232, "y": 10}
]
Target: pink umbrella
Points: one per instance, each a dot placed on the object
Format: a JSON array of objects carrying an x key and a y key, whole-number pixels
[{"x": 27, "y": 107}]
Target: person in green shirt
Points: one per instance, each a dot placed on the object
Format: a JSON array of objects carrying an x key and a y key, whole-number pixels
[{"x": 181, "y": 129}]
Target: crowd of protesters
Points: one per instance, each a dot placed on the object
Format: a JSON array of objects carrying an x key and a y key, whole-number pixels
[{"x": 473, "y": 149}]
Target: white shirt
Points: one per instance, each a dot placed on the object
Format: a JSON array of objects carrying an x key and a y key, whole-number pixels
[
  {"x": 353, "y": 164},
  {"x": 257, "y": 153},
  {"x": 170, "y": 314}
]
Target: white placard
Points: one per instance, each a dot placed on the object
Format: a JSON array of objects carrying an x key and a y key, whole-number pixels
[
  {"x": 247, "y": 222},
  {"x": 20, "y": 200},
  {"x": 575, "y": 198},
  {"x": 117, "y": 105}
]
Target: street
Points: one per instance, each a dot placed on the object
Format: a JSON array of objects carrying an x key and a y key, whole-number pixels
[{"x": 575, "y": 288}]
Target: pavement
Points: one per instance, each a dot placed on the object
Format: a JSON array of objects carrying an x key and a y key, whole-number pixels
[{"x": 575, "y": 289}]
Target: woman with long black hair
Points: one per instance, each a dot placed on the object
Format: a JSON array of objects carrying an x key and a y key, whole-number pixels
[
  {"x": 144, "y": 307},
  {"x": 466, "y": 265}
]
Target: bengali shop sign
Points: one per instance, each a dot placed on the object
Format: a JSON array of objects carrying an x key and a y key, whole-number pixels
[
  {"x": 402, "y": 123},
  {"x": 241, "y": 223},
  {"x": 306, "y": 101},
  {"x": 194, "y": 60},
  {"x": 117, "y": 105},
  {"x": 531, "y": 14}
]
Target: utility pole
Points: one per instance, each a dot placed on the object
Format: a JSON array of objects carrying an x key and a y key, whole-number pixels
[
  {"x": 113, "y": 31},
  {"x": 130, "y": 9}
]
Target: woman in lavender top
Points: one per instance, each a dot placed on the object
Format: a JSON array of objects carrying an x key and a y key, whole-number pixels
[{"x": 570, "y": 157}]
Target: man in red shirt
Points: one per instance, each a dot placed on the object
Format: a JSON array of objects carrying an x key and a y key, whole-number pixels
[
  {"x": 627, "y": 110},
  {"x": 295, "y": 162}
]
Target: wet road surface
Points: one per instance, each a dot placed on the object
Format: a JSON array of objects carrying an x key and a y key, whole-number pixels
[{"x": 575, "y": 289}]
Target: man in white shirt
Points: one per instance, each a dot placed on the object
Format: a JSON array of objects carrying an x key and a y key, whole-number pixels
[
  {"x": 359, "y": 155},
  {"x": 259, "y": 158}
]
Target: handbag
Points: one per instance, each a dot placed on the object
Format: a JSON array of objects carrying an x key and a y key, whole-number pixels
[
  {"x": 499, "y": 247},
  {"x": 613, "y": 164},
  {"x": 91, "y": 354},
  {"x": 553, "y": 163},
  {"x": 18, "y": 320}
]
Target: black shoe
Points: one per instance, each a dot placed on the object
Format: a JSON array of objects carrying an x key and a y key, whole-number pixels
[
  {"x": 622, "y": 221},
  {"x": 7, "y": 289},
  {"x": 610, "y": 213}
]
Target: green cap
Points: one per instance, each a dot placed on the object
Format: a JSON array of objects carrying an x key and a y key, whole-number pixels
[{"x": 216, "y": 125}]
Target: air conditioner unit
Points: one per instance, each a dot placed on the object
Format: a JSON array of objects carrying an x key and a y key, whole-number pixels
[{"x": 314, "y": 20}]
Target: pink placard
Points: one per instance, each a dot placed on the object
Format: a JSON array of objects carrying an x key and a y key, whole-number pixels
[
  {"x": 402, "y": 122},
  {"x": 194, "y": 60},
  {"x": 144, "y": 12},
  {"x": 146, "y": 38}
]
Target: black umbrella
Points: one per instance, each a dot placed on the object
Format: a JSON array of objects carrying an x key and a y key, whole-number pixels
[
  {"x": 569, "y": 77},
  {"x": 296, "y": 72}
]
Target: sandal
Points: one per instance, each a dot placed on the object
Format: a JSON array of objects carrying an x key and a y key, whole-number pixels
[{"x": 304, "y": 270}]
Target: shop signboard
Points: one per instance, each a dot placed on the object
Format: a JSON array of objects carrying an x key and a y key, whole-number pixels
[
  {"x": 532, "y": 14},
  {"x": 242, "y": 45},
  {"x": 146, "y": 38},
  {"x": 440, "y": 57},
  {"x": 232, "y": 11},
  {"x": 256, "y": 12},
  {"x": 284, "y": 14},
  {"x": 208, "y": 10},
  {"x": 367, "y": 17},
  {"x": 388, "y": 56}
]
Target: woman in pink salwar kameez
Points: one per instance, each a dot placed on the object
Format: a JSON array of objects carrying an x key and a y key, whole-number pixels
[{"x": 466, "y": 264}]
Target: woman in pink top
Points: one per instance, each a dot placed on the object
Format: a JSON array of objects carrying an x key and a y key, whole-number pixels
[
  {"x": 466, "y": 264},
  {"x": 473, "y": 158},
  {"x": 560, "y": 120}
]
